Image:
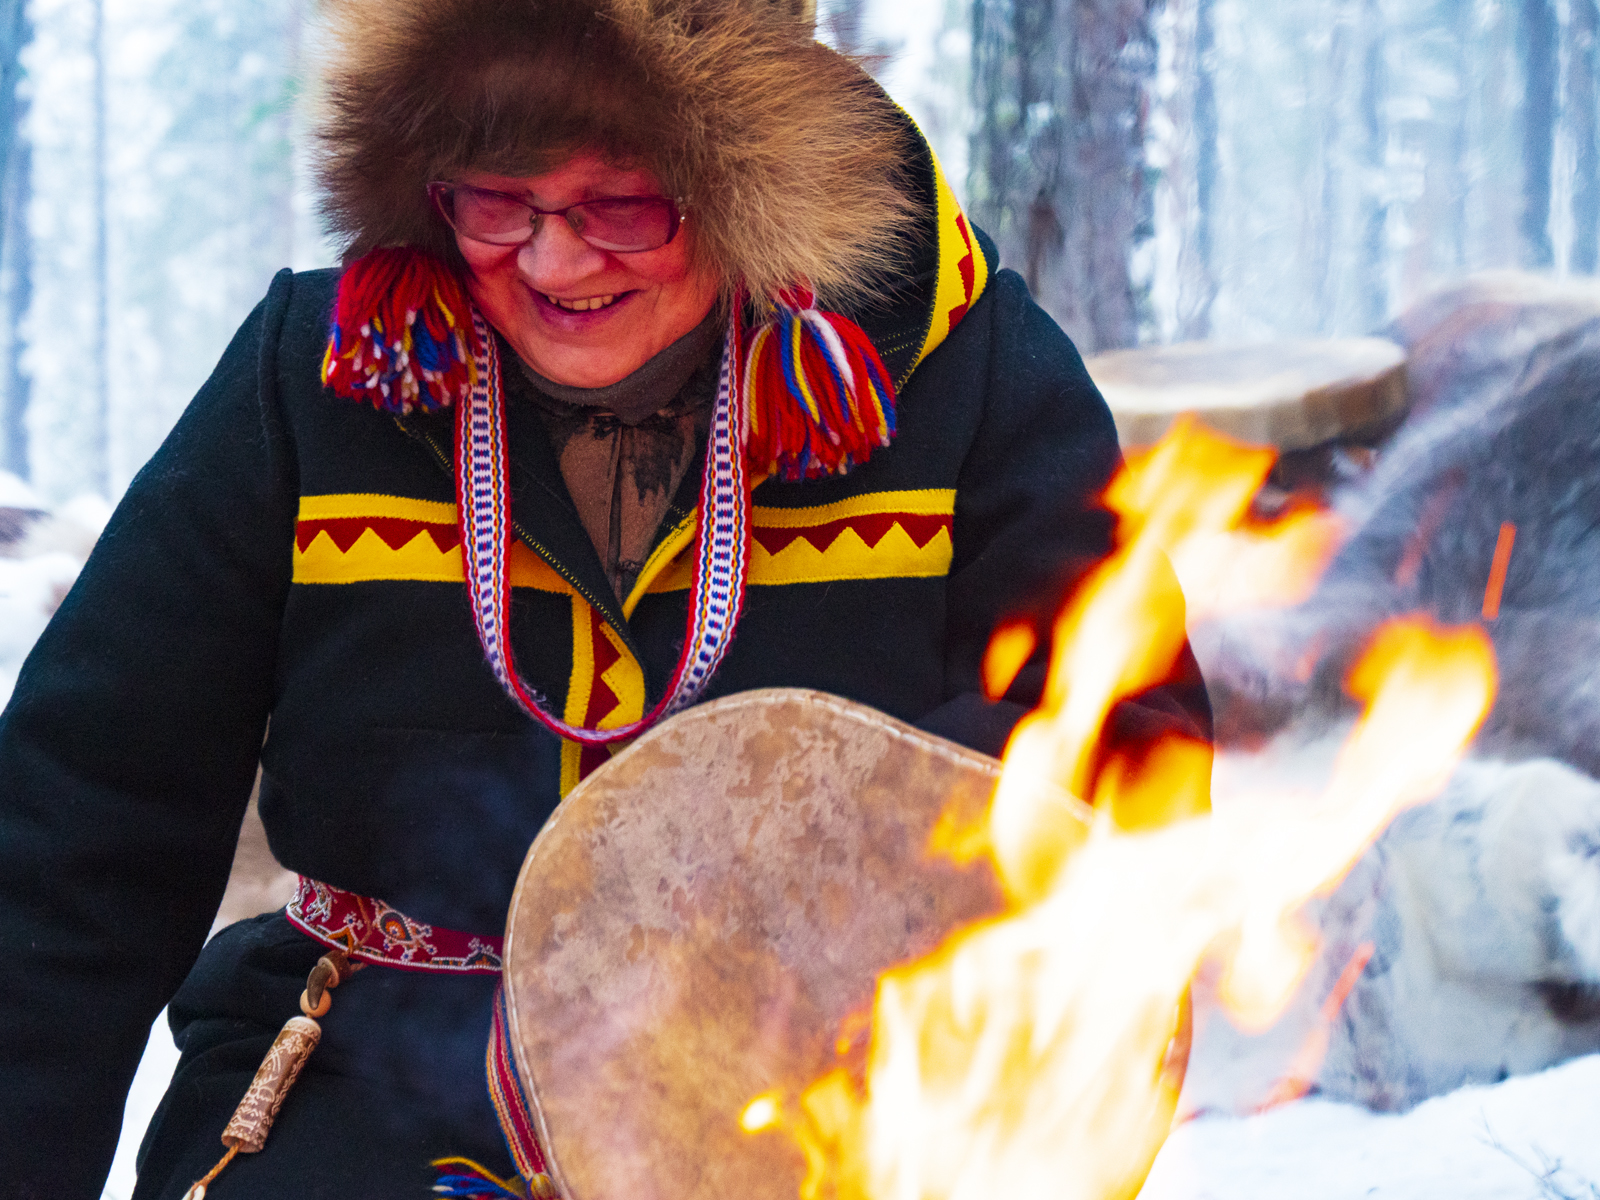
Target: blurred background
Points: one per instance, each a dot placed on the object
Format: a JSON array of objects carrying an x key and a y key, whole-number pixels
[{"x": 1159, "y": 171}]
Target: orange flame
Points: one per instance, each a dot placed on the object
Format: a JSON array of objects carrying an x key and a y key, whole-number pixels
[
  {"x": 1011, "y": 646},
  {"x": 1497, "y": 570},
  {"x": 1029, "y": 1056},
  {"x": 1183, "y": 513}
]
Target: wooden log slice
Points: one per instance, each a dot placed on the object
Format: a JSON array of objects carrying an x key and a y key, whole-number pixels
[
  {"x": 1291, "y": 395},
  {"x": 703, "y": 918}
]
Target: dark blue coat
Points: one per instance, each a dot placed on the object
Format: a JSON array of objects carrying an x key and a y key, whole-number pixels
[{"x": 261, "y": 580}]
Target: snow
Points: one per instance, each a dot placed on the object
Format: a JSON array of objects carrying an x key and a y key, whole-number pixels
[
  {"x": 155, "y": 1072},
  {"x": 30, "y": 589},
  {"x": 1479, "y": 1142},
  {"x": 15, "y": 493},
  {"x": 37, "y": 569}
]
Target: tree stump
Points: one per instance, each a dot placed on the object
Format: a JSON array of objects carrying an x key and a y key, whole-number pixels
[{"x": 1292, "y": 395}]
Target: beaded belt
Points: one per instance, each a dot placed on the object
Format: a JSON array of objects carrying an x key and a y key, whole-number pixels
[{"x": 376, "y": 932}]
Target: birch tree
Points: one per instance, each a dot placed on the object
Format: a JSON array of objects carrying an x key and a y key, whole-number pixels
[
  {"x": 1583, "y": 108},
  {"x": 1538, "y": 54},
  {"x": 1058, "y": 171},
  {"x": 15, "y": 251},
  {"x": 100, "y": 335},
  {"x": 1373, "y": 249},
  {"x": 1197, "y": 322}
]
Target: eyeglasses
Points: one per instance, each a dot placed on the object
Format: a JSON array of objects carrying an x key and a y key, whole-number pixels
[{"x": 621, "y": 224}]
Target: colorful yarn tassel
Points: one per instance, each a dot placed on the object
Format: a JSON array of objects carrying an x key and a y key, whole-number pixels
[
  {"x": 401, "y": 325},
  {"x": 818, "y": 400},
  {"x": 466, "y": 1180}
]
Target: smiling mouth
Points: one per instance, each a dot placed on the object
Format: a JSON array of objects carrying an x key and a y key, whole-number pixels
[{"x": 587, "y": 304}]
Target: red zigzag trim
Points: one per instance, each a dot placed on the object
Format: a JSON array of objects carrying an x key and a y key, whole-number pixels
[
  {"x": 602, "y": 700},
  {"x": 870, "y": 528},
  {"x": 396, "y": 532}
]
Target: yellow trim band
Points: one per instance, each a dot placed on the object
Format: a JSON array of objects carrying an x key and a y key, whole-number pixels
[
  {"x": 375, "y": 504},
  {"x": 661, "y": 558},
  {"x": 371, "y": 558},
  {"x": 894, "y": 554},
  {"x": 623, "y": 678},
  {"x": 963, "y": 270},
  {"x": 920, "y": 502}
]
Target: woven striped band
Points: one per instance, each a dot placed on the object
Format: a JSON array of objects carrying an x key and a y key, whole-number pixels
[
  {"x": 375, "y": 932},
  {"x": 511, "y": 1105},
  {"x": 716, "y": 595}
]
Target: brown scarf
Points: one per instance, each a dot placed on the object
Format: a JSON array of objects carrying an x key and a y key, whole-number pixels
[{"x": 624, "y": 449}]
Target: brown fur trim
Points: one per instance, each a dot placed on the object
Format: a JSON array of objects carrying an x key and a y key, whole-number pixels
[{"x": 787, "y": 154}]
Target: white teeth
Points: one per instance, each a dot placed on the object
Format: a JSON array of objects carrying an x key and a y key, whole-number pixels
[{"x": 588, "y": 304}]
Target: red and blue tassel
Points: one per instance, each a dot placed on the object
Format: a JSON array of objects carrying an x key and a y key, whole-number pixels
[
  {"x": 464, "y": 1179},
  {"x": 402, "y": 325},
  {"x": 818, "y": 400}
]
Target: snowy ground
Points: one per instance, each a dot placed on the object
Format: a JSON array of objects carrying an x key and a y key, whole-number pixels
[
  {"x": 1537, "y": 1136},
  {"x": 155, "y": 1070},
  {"x": 40, "y": 555}
]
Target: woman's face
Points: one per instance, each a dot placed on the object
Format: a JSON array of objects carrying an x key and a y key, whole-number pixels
[{"x": 538, "y": 295}]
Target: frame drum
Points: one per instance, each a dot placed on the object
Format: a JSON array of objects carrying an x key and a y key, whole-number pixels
[{"x": 703, "y": 920}]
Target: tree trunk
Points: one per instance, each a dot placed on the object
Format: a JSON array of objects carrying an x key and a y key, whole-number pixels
[
  {"x": 1536, "y": 48},
  {"x": 1058, "y": 157},
  {"x": 1114, "y": 64},
  {"x": 100, "y": 436},
  {"x": 1014, "y": 98},
  {"x": 15, "y": 252},
  {"x": 1461, "y": 28},
  {"x": 1583, "y": 109},
  {"x": 16, "y": 270},
  {"x": 844, "y": 21},
  {"x": 1333, "y": 183},
  {"x": 1197, "y": 324},
  {"x": 1045, "y": 84},
  {"x": 1374, "y": 248}
]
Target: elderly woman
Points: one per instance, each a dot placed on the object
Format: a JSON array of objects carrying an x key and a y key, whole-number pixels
[{"x": 664, "y": 365}]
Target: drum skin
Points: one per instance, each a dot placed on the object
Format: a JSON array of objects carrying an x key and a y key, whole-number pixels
[{"x": 703, "y": 920}]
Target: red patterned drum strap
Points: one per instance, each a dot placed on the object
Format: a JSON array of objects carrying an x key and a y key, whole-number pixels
[
  {"x": 511, "y": 1103},
  {"x": 376, "y": 932}
]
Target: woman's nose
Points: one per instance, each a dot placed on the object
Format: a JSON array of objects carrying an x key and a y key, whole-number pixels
[{"x": 555, "y": 257}]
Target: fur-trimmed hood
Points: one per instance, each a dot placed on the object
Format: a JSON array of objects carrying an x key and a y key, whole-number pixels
[{"x": 786, "y": 154}]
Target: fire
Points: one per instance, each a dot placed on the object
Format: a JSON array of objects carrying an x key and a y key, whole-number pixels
[{"x": 1034, "y": 1055}]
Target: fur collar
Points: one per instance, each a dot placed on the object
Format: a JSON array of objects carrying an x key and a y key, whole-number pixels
[{"x": 789, "y": 154}]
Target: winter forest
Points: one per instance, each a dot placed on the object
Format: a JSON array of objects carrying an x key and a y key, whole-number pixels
[
  {"x": 1159, "y": 171},
  {"x": 1228, "y": 176}
]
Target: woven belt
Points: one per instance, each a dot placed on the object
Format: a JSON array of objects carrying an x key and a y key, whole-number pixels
[{"x": 376, "y": 932}]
